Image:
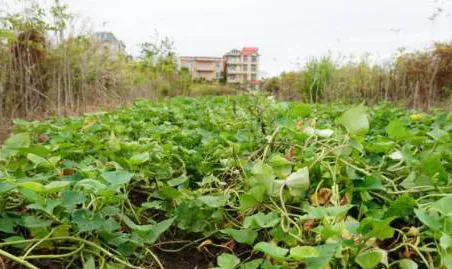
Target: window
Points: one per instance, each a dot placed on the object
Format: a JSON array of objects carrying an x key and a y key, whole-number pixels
[
  {"x": 218, "y": 64},
  {"x": 245, "y": 68},
  {"x": 232, "y": 76},
  {"x": 232, "y": 67},
  {"x": 253, "y": 68},
  {"x": 245, "y": 58},
  {"x": 254, "y": 58},
  {"x": 253, "y": 76}
]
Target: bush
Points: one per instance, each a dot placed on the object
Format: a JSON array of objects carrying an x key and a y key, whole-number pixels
[
  {"x": 318, "y": 74},
  {"x": 212, "y": 90},
  {"x": 417, "y": 79}
]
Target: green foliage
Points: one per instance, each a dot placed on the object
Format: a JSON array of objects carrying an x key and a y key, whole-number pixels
[
  {"x": 419, "y": 79},
  {"x": 355, "y": 120},
  {"x": 253, "y": 180},
  {"x": 318, "y": 75},
  {"x": 369, "y": 259},
  {"x": 198, "y": 89}
]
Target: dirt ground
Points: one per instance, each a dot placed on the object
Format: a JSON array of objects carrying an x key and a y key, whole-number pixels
[{"x": 186, "y": 260}]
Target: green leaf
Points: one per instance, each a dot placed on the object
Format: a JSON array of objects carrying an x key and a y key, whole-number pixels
[
  {"x": 129, "y": 223},
  {"x": 409, "y": 181},
  {"x": 355, "y": 120},
  {"x": 21, "y": 140},
  {"x": 15, "y": 239},
  {"x": 87, "y": 221},
  {"x": 39, "y": 150},
  {"x": 281, "y": 166},
  {"x": 7, "y": 224},
  {"x": 254, "y": 264},
  {"x": 56, "y": 186},
  {"x": 227, "y": 261},
  {"x": 150, "y": 232},
  {"x": 62, "y": 230},
  {"x": 34, "y": 222},
  {"x": 261, "y": 220},
  {"x": 71, "y": 199},
  {"x": 214, "y": 201},
  {"x": 379, "y": 229},
  {"x": 245, "y": 236},
  {"x": 326, "y": 255},
  {"x": 139, "y": 158},
  {"x": 89, "y": 264},
  {"x": 47, "y": 207},
  {"x": 90, "y": 185},
  {"x": 300, "y": 253},
  {"x": 6, "y": 187},
  {"x": 37, "y": 160},
  {"x": 301, "y": 110},
  {"x": 446, "y": 260},
  {"x": 372, "y": 182},
  {"x": 403, "y": 206},
  {"x": 397, "y": 130},
  {"x": 432, "y": 167},
  {"x": 332, "y": 211},
  {"x": 443, "y": 205},
  {"x": 429, "y": 220},
  {"x": 271, "y": 250},
  {"x": 445, "y": 241},
  {"x": 369, "y": 259},
  {"x": 262, "y": 176},
  {"x": 279, "y": 235},
  {"x": 110, "y": 211},
  {"x": 114, "y": 143},
  {"x": 247, "y": 202},
  {"x": 437, "y": 134},
  {"x": 34, "y": 186},
  {"x": 170, "y": 192},
  {"x": 153, "y": 205},
  {"x": 407, "y": 264},
  {"x": 258, "y": 192},
  {"x": 177, "y": 181},
  {"x": 298, "y": 182},
  {"x": 117, "y": 178},
  {"x": 157, "y": 230}
]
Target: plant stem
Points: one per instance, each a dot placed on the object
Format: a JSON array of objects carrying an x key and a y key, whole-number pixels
[{"x": 17, "y": 259}]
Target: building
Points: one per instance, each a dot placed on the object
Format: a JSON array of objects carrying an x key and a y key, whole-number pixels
[
  {"x": 109, "y": 43},
  {"x": 239, "y": 67},
  {"x": 204, "y": 68},
  {"x": 242, "y": 66}
]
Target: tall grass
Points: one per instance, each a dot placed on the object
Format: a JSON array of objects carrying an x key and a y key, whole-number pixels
[
  {"x": 318, "y": 75},
  {"x": 48, "y": 68},
  {"x": 420, "y": 79}
]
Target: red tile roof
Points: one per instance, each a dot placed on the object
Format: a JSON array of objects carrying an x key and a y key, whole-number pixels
[{"x": 249, "y": 51}]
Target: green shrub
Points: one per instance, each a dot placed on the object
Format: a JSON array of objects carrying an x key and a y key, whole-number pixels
[{"x": 318, "y": 74}]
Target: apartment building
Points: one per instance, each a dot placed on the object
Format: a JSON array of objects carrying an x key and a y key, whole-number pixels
[
  {"x": 242, "y": 66},
  {"x": 205, "y": 68}
]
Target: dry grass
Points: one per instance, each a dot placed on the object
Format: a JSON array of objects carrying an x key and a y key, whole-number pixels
[{"x": 421, "y": 79}]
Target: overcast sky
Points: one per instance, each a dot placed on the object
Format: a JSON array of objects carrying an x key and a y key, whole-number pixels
[{"x": 286, "y": 31}]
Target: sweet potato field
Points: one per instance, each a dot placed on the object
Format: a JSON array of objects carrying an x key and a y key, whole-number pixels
[{"x": 229, "y": 183}]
